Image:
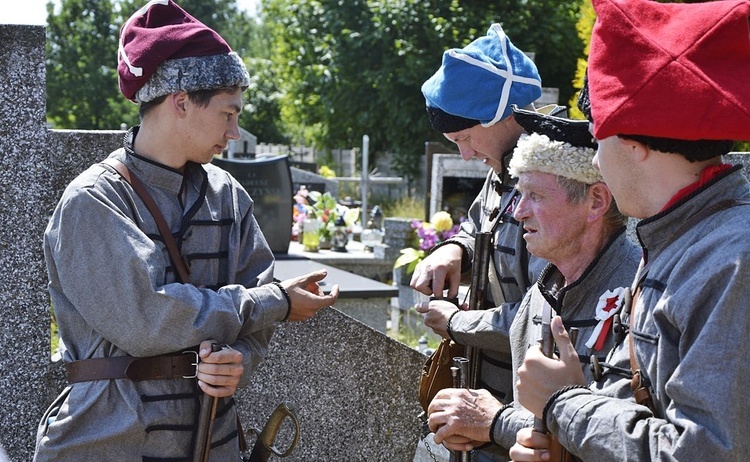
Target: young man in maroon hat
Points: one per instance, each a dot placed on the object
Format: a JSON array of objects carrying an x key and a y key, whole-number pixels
[
  {"x": 667, "y": 89},
  {"x": 136, "y": 330}
]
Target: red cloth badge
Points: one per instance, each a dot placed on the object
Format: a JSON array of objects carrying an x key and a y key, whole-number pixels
[
  {"x": 609, "y": 304},
  {"x": 671, "y": 70}
]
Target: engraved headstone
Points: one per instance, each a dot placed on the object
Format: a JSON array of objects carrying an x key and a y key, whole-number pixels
[
  {"x": 269, "y": 183},
  {"x": 455, "y": 184}
]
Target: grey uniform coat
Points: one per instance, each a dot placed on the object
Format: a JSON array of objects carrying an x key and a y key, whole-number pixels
[
  {"x": 690, "y": 340},
  {"x": 114, "y": 293},
  {"x": 614, "y": 268},
  {"x": 516, "y": 270}
]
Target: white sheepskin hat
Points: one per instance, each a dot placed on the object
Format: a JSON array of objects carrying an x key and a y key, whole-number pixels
[{"x": 538, "y": 153}]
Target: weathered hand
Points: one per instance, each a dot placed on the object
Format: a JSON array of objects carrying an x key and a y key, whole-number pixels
[
  {"x": 540, "y": 377},
  {"x": 436, "y": 315},
  {"x": 306, "y": 295},
  {"x": 461, "y": 418},
  {"x": 442, "y": 267},
  {"x": 219, "y": 372},
  {"x": 531, "y": 446}
]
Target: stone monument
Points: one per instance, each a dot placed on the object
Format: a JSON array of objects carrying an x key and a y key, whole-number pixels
[{"x": 269, "y": 183}]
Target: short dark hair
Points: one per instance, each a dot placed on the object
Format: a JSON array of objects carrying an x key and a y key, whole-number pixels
[
  {"x": 692, "y": 150},
  {"x": 200, "y": 97}
]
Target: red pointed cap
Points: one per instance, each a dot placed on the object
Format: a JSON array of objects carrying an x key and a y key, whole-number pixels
[{"x": 671, "y": 70}]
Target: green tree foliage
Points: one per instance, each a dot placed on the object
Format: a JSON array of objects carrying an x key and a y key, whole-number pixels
[
  {"x": 82, "y": 42},
  {"x": 352, "y": 68},
  {"x": 584, "y": 26},
  {"x": 322, "y": 71},
  {"x": 82, "y": 89},
  {"x": 262, "y": 112}
]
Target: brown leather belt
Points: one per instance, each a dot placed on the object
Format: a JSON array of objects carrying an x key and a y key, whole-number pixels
[{"x": 175, "y": 366}]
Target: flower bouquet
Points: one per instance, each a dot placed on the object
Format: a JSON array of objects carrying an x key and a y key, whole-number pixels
[
  {"x": 429, "y": 234},
  {"x": 322, "y": 210}
]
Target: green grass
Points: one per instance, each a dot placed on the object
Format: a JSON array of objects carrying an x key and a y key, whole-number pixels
[
  {"x": 411, "y": 330},
  {"x": 406, "y": 207},
  {"x": 54, "y": 338}
]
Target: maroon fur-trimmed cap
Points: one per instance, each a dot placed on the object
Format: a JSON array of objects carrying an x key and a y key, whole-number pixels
[{"x": 164, "y": 50}]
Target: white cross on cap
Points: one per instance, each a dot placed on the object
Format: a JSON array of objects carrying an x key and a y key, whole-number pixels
[{"x": 507, "y": 74}]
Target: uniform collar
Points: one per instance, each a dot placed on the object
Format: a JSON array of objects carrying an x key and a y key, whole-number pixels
[
  {"x": 654, "y": 233},
  {"x": 155, "y": 173},
  {"x": 601, "y": 268}
]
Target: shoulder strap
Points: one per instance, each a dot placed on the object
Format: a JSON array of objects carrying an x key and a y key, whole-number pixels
[{"x": 174, "y": 254}]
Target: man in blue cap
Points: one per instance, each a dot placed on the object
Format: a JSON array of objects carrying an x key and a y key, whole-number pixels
[{"x": 469, "y": 100}]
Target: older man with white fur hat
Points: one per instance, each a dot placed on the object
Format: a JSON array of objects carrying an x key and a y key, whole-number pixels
[{"x": 571, "y": 220}]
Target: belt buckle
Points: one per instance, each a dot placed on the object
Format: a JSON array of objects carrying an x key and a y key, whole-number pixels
[{"x": 197, "y": 360}]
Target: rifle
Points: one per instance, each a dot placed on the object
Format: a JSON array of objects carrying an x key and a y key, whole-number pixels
[
  {"x": 206, "y": 420},
  {"x": 264, "y": 445},
  {"x": 557, "y": 451},
  {"x": 466, "y": 370},
  {"x": 479, "y": 280}
]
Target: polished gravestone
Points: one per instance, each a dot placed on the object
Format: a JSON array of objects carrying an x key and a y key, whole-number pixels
[
  {"x": 454, "y": 184},
  {"x": 269, "y": 183}
]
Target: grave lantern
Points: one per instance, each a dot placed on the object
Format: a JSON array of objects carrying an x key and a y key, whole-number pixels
[{"x": 340, "y": 238}]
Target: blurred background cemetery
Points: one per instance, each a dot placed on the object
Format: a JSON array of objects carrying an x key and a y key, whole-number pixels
[{"x": 333, "y": 127}]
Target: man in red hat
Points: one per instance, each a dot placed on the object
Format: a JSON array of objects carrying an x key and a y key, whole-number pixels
[
  {"x": 136, "y": 321},
  {"x": 667, "y": 91}
]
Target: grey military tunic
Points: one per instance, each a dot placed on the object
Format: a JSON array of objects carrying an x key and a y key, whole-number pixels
[
  {"x": 516, "y": 270},
  {"x": 690, "y": 333},
  {"x": 114, "y": 293},
  {"x": 613, "y": 269}
]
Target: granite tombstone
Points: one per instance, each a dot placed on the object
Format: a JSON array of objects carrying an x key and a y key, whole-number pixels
[{"x": 269, "y": 182}]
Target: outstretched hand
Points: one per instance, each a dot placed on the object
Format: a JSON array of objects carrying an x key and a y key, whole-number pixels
[
  {"x": 539, "y": 377},
  {"x": 306, "y": 296}
]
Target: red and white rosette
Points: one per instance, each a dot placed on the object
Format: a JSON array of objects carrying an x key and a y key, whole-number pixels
[{"x": 609, "y": 304}]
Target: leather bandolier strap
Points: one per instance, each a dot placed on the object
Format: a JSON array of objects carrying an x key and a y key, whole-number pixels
[
  {"x": 179, "y": 365},
  {"x": 638, "y": 384}
]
